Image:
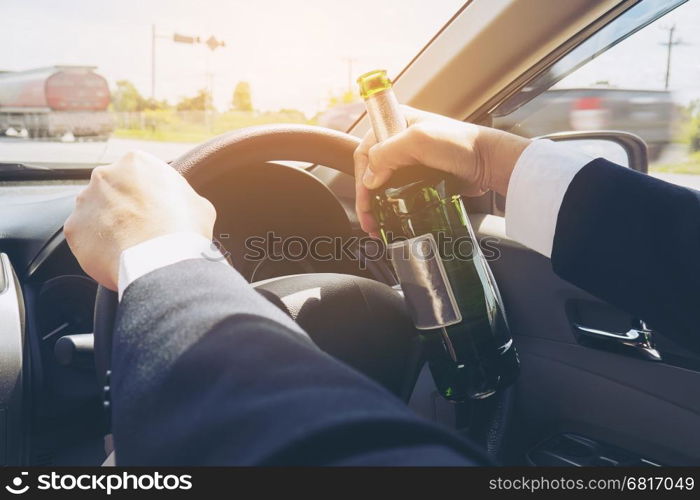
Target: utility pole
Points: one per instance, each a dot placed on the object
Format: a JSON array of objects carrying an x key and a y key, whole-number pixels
[
  {"x": 153, "y": 61},
  {"x": 212, "y": 43},
  {"x": 350, "y": 61},
  {"x": 670, "y": 43},
  {"x": 154, "y": 35}
]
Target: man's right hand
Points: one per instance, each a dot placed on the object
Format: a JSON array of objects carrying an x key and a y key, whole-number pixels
[
  {"x": 135, "y": 199},
  {"x": 482, "y": 157}
]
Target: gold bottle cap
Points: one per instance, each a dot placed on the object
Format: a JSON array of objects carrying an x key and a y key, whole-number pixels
[{"x": 373, "y": 82}]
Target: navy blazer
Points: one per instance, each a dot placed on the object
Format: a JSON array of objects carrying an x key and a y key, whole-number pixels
[
  {"x": 205, "y": 371},
  {"x": 633, "y": 241}
]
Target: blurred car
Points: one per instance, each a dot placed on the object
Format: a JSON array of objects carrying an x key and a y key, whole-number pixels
[{"x": 647, "y": 113}]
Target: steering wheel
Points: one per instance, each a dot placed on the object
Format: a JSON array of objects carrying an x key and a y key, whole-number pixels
[{"x": 359, "y": 321}]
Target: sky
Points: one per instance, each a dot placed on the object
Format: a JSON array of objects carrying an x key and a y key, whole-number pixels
[
  {"x": 294, "y": 54},
  {"x": 640, "y": 61}
]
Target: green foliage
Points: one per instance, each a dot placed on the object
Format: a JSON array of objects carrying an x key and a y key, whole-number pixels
[
  {"x": 346, "y": 97},
  {"x": 288, "y": 115},
  {"x": 694, "y": 134},
  {"x": 200, "y": 102},
  {"x": 693, "y": 127},
  {"x": 242, "y": 98},
  {"x": 126, "y": 97},
  {"x": 156, "y": 105},
  {"x": 690, "y": 165}
]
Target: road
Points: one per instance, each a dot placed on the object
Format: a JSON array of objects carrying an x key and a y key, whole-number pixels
[
  {"x": 76, "y": 153},
  {"x": 687, "y": 180},
  {"x": 22, "y": 150}
]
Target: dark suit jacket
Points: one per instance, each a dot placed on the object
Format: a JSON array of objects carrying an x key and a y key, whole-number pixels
[
  {"x": 206, "y": 371},
  {"x": 634, "y": 241}
]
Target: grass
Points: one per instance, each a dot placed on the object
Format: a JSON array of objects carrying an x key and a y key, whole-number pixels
[
  {"x": 691, "y": 165},
  {"x": 171, "y": 126},
  {"x": 161, "y": 135}
]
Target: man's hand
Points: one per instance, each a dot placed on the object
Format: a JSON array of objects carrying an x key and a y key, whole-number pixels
[
  {"x": 131, "y": 201},
  {"x": 483, "y": 157}
]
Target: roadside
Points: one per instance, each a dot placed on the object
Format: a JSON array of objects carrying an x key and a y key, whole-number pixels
[
  {"x": 678, "y": 165},
  {"x": 195, "y": 126},
  {"x": 79, "y": 154}
]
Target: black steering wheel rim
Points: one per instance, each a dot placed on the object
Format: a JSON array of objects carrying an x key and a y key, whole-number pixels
[{"x": 236, "y": 149}]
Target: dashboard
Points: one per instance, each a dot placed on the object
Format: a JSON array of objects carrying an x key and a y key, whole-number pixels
[{"x": 52, "y": 402}]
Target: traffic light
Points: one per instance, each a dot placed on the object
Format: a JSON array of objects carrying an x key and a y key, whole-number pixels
[
  {"x": 213, "y": 43},
  {"x": 186, "y": 39}
]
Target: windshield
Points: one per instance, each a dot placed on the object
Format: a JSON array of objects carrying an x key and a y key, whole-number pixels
[{"x": 86, "y": 81}]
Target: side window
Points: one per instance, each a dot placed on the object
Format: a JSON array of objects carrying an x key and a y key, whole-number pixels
[{"x": 648, "y": 84}]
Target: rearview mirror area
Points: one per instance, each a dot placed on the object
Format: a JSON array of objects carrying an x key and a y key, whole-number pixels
[{"x": 623, "y": 148}]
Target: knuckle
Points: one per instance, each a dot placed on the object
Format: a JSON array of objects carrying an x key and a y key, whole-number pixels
[
  {"x": 376, "y": 159},
  {"x": 418, "y": 131},
  {"x": 129, "y": 161},
  {"x": 139, "y": 158},
  {"x": 69, "y": 229},
  {"x": 99, "y": 173},
  {"x": 129, "y": 157}
]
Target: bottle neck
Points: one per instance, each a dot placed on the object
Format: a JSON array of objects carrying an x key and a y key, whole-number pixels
[{"x": 385, "y": 114}]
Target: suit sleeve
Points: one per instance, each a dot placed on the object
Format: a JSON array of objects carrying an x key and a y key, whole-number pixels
[
  {"x": 205, "y": 371},
  {"x": 633, "y": 241}
]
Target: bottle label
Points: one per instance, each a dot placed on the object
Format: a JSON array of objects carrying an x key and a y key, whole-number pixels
[{"x": 426, "y": 287}]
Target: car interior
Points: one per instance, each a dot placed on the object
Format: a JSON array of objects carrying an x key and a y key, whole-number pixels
[{"x": 589, "y": 392}]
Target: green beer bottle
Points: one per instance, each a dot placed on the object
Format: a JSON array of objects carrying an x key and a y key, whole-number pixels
[{"x": 447, "y": 283}]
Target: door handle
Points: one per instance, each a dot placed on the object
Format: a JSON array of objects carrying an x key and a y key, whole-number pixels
[{"x": 638, "y": 340}]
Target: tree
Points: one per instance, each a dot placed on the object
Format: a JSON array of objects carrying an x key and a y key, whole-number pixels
[
  {"x": 126, "y": 97},
  {"x": 200, "y": 102},
  {"x": 242, "y": 98},
  {"x": 156, "y": 105},
  {"x": 346, "y": 97}
]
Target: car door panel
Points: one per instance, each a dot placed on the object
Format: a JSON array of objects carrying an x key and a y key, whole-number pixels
[{"x": 648, "y": 407}]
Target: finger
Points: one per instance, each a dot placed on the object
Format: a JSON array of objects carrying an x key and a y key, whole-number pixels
[
  {"x": 401, "y": 150},
  {"x": 363, "y": 197},
  {"x": 363, "y": 208},
  {"x": 373, "y": 174},
  {"x": 360, "y": 155},
  {"x": 140, "y": 167}
]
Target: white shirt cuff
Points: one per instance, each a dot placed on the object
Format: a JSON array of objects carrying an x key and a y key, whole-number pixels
[
  {"x": 162, "y": 251},
  {"x": 536, "y": 190}
]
